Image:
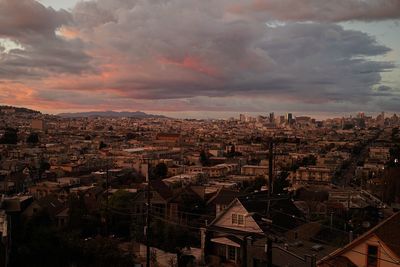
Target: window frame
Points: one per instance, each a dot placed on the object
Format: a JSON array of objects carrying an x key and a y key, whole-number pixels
[
  {"x": 236, "y": 221},
  {"x": 234, "y": 218},
  {"x": 240, "y": 219}
]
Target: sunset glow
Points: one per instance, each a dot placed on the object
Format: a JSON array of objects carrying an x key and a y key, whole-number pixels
[{"x": 313, "y": 55}]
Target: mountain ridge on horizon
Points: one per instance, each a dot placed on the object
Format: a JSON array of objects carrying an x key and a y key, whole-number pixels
[
  {"x": 109, "y": 113},
  {"x": 19, "y": 109}
]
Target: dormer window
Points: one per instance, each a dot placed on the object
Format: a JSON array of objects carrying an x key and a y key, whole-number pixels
[{"x": 237, "y": 219}]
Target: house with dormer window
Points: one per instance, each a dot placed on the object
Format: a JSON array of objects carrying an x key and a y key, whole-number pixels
[{"x": 233, "y": 237}]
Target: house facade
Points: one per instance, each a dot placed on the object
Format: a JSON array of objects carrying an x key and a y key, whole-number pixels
[{"x": 379, "y": 247}]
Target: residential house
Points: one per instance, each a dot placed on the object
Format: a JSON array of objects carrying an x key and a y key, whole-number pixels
[
  {"x": 233, "y": 236},
  {"x": 379, "y": 247}
]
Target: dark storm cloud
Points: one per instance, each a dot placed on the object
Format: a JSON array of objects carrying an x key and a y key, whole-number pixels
[
  {"x": 319, "y": 10},
  {"x": 178, "y": 49},
  {"x": 200, "y": 51},
  {"x": 23, "y": 18},
  {"x": 40, "y": 51}
]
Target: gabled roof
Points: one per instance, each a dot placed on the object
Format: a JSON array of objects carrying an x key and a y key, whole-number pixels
[
  {"x": 187, "y": 190},
  {"x": 282, "y": 211},
  {"x": 51, "y": 204},
  {"x": 223, "y": 196},
  {"x": 387, "y": 231},
  {"x": 160, "y": 187}
]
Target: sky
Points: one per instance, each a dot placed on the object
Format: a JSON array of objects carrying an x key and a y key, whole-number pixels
[{"x": 190, "y": 58}]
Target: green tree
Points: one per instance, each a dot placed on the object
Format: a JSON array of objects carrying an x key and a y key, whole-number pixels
[
  {"x": 102, "y": 145},
  {"x": 204, "y": 159},
  {"x": 309, "y": 161},
  {"x": 160, "y": 171},
  {"x": 281, "y": 182},
  {"x": 33, "y": 138},
  {"x": 120, "y": 205},
  {"x": 44, "y": 166},
  {"x": 10, "y": 137}
]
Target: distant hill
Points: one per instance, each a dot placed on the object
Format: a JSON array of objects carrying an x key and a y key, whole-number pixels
[
  {"x": 4, "y": 109},
  {"x": 113, "y": 114}
]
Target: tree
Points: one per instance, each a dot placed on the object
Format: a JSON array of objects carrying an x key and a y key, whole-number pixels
[
  {"x": 10, "y": 137},
  {"x": 160, "y": 171},
  {"x": 281, "y": 182},
  {"x": 44, "y": 166},
  {"x": 310, "y": 160},
  {"x": 204, "y": 159},
  {"x": 33, "y": 138},
  {"x": 130, "y": 136},
  {"x": 102, "y": 145},
  {"x": 120, "y": 203},
  {"x": 77, "y": 211}
]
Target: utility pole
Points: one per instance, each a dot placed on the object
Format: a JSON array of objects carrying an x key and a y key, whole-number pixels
[
  {"x": 270, "y": 173},
  {"x": 270, "y": 168},
  {"x": 148, "y": 217},
  {"x": 107, "y": 186},
  {"x": 268, "y": 250}
]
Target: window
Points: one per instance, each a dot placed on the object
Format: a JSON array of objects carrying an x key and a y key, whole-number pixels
[
  {"x": 234, "y": 218},
  {"x": 240, "y": 219},
  {"x": 372, "y": 256},
  {"x": 237, "y": 219}
]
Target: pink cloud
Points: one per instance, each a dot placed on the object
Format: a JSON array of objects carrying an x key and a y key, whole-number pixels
[{"x": 192, "y": 63}]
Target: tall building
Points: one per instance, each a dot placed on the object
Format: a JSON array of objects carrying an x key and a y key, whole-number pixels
[
  {"x": 289, "y": 118},
  {"x": 281, "y": 119},
  {"x": 271, "y": 117},
  {"x": 242, "y": 117}
]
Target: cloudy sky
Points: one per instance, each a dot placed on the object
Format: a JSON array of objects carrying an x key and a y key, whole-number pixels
[{"x": 194, "y": 58}]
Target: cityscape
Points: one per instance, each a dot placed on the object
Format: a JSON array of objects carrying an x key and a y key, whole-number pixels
[
  {"x": 95, "y": 191},
  {"x": 185, "y": 133}
]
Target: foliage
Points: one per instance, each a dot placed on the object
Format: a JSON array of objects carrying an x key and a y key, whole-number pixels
[
  {"x": 10, "y": 137},
  {"x": 233, "y": 153},
  {"x": 37, "y": 243},
  {"x": 120, "y": 203},
  {"x": 160, "y": 171},
  {"x": 102, "y": 145},
  {"x": 309, "y": 161},
  {"x": 204, "y": 159},
  {"x": 130, "y": 136},
  {"x": 281, "y": 182},
  {"x": 171, "y": 237},
  {"x": 80, "y": 220},
  {"x": 44, "y": 166},
  {"x": 253, "y": 185},
  {"x": 33, "y": 138}
]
